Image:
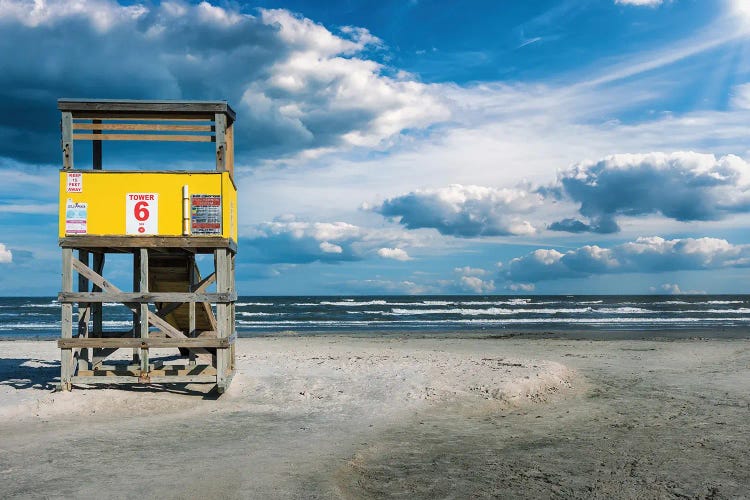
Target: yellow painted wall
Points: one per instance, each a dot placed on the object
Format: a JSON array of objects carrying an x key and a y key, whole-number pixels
[{"x": 105, "y": 194}]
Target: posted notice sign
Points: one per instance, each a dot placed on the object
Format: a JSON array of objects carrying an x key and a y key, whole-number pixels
[
  {"x": 142, "y": 213},
  {"x": 75, "y": 217},
  {"x": 75, "y": 182}
]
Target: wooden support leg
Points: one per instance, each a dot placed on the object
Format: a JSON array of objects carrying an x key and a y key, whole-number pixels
[
  {"x": 83, "y": 313},
  {"x": 144, "y": 308},
  {"x": 222, "y": 285},
  {"x": 66, "y": 355}
]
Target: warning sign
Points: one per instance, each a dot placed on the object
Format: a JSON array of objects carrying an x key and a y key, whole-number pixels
[
  {"x": 75, "y": 182},
  {"x": 205, "y": 211},
  {"x": 75, "y": 217},
  {"x": 142, "y": 213}
]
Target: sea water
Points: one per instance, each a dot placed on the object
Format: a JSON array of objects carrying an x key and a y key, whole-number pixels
[{"x": 39, "y": 318}]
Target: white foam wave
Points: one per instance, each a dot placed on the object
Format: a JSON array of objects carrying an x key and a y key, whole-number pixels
[
  {"x": 351, "y": 302},
  {"x": 496, "y": 322},
  {"x": 245, "y": 304}
]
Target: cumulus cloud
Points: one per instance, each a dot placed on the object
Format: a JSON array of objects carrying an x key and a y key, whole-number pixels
[
  {"x": 393, "y": 253},
  {"x": 298, "y": 86},
  {"x": 6, "y": 256},
  {"x": 298, "y": 242},
  {"x": 476, "y": 285},
  {"x": 684, "y": 186},
  {"x": 640, "y": 3},
  {"x": 470, "y": 271},
  {"x": 288, "y": 240},
  {"x": 645, "y": 255},
  {"x": 464, "y": 211},
  {"x": 470, "y": 280}
]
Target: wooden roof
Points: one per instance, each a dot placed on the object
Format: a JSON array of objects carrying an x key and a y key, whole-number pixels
[{"x": 151, "y": 107}]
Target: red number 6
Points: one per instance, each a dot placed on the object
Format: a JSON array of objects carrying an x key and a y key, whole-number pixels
[{"x": 141, "y": 210}]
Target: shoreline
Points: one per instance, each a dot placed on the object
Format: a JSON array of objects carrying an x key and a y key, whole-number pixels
[{"x": 360, "y": 417}]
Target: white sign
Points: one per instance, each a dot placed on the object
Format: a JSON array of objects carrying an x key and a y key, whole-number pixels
[
  {"x": 75, "y": 217},
  {"x": 75, "y": 182},
  {"x": 142, "y": 213}
]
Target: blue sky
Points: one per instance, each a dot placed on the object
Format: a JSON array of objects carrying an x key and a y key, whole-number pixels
[{"x": 567, "y": 146}]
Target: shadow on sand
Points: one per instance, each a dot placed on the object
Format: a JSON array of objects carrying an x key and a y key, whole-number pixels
[{"x": 44, "y": 374}]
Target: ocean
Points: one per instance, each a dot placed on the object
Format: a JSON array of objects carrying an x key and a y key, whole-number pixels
[{"x": 39, "y": 318}]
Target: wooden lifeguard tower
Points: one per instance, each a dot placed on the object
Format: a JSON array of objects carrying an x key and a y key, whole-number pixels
[{"x": 164, "y": 219}]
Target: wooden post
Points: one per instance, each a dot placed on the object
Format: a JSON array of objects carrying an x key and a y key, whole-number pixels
[
  {"x": 230, "y": 149},
  {"x": 191, "y": 307},
  {"x": 97, "y": 311},
  {"x": 220, "y": 120},
  {"x": 83, "y": 313},
  {"x": 66, "y": 355},
  {"x": 66, "y": 126},
  {"x": 136, "y": 314},
  {"x": 144, "y": 308},
  {"x": 222, "y": 316}
]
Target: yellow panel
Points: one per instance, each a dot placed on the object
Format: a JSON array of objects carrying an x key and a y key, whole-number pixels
[
  {"x": 98, "y": 204},
  {"x": 229, "y": 193}
]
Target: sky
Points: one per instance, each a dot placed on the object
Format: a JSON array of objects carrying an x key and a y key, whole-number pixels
[{"x": 413, "y": 147}]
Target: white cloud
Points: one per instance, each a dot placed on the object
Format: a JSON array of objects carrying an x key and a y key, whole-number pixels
[
  {"x": 640, "y": 3},
  {"x": 299, "y": 87},
  {"x": 393, "y": 253},
  {"x": 288, "y": 240},
  {"x": 476, "y": 285},
  {"x": 684, "y": 186},
  {"x": 330, "y": 247},
  {"x": 463, "y": 211},
  {"x": 6, "y": 256},
  {"x": 645, "y": 255},
  {"x": 741, "y": 96},
  {"x": 470, "y": 271}
]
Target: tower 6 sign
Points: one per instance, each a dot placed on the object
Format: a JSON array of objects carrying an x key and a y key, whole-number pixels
[{"x": 142, "y": 213}]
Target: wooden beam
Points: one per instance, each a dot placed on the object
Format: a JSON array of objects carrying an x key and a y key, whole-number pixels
[
  {"x": 120, "y": 242},
  {"x": 147, "y": 297},
  {"x": 143, "y": 137},
  {"x": 144, "y": 308},
  {"x": 155, "y": 127},
  {"x": 146, "y": 343},
  {"x": 66, "y": 129},
  {"x": 169, "y": 379},
  {"x": 106, "y": 285},
  {"x": 161, "y": 108},
  {"x": 205, "y": 283},
  {"x": 66, "y": 354},
  {"x": 221, "y": 144}
]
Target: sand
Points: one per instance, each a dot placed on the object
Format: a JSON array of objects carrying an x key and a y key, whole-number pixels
[{"x": 348, "y": 417}]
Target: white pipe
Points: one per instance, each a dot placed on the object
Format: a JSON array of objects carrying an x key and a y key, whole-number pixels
[{"x": 185, "y": 211}]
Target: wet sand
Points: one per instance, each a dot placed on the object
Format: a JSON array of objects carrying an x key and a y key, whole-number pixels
[{"x": 346, "y": 417}]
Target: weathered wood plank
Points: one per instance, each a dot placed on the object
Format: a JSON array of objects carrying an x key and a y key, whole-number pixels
[
  {"x": 147, "y": 106},
  {"x": 66, "y": 128},
  {"x": 149, "y": 343},
  {"x": 143, "y": 287},
  {"x": 220, "y": 140},
  {"x": 106, "y": 285},
  {"x": 138, "y": 297},
  {"x": 156, "y": 127},
  {"x": 107, "y": 242},
  {"x": 143, "y": 137},
  {"x": 169, "y": 379}
]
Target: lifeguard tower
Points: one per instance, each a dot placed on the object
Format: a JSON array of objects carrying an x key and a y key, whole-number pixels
[{"x": 164, "y": 219}]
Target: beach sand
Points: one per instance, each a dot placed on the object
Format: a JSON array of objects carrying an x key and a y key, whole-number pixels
[{"x": 349, "y": 417}]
